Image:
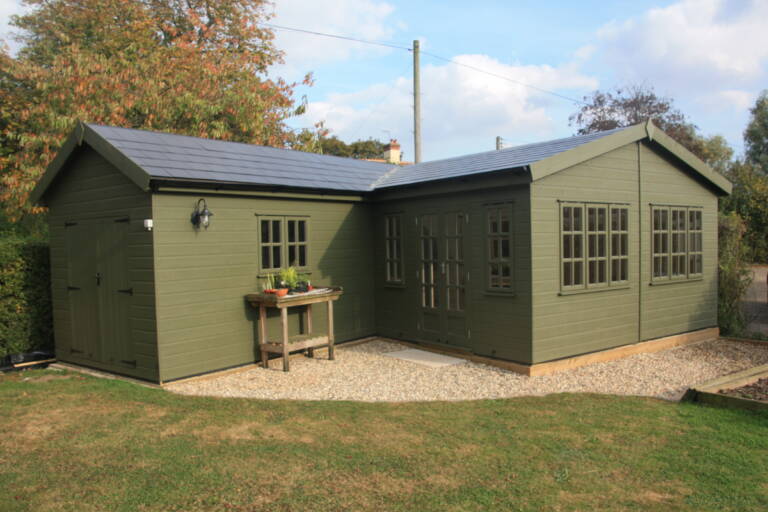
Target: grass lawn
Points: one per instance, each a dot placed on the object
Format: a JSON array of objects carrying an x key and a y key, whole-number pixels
[{"x": 73, "y": 442}]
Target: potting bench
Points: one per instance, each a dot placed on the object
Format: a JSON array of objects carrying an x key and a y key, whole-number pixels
[{"x": 307, "y": 340}]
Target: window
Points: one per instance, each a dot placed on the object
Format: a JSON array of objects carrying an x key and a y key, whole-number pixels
[
  {"x": 619, "y": 244},
  {"x": 284, "y": 242},
  {"x": 594, "y": 245},
  {"x": 677, "y": 242},
  {"x": 393, "y": 240},
  {"x": 297, "y": 242},
  {"x": 499, "y": 248}
]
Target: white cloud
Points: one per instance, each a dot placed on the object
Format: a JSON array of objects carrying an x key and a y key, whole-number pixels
[
  {"x": 462, "y": 109},
  {"x": 694, "y": 48},
  {"x": 7, "y": 9},
  {"x": 361, "y": 19}
]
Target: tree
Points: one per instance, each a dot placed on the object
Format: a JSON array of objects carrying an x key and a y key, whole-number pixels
[
  {"x": 749, "y": 199},
  {"x": 756, "y": 134},
  {"x": 635, "y": 104},
  {"x": 368, "y": 148},
  {"x": 194, "y": 67}
]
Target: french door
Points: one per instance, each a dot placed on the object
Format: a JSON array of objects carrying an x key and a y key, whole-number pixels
[{"x": 442, "y": 277}]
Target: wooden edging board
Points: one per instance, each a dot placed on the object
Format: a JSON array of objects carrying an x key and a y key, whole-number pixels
[
  {"x": 550, "y": 367},
  {"x": 709, "y": 392}
]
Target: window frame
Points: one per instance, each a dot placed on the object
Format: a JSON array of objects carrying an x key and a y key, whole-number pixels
[
  {"x": 499, "y": 236},
  {"x": 284, "y": 244},
  {"x": 388, "y": 259},
  {"x": 585, "y": 256},
  {"x": 673, "y": 233}
]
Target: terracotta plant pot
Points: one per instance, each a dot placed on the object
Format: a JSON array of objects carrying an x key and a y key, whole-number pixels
[
  {"x": 270, "y": 290},
  {"x": 281, "y": 292},
  {"x": 310, "y": 288}
]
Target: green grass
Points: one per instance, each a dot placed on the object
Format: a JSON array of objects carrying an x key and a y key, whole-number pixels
[{"x": 72, "y": 442}]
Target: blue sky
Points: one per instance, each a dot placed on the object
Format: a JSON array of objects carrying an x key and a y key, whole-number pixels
[{"x": 711, "y": 56}]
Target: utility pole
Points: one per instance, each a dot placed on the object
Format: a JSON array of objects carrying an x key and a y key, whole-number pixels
[
  {"x": 498, "y": 143},
  {"x": 416, "y": 104}
]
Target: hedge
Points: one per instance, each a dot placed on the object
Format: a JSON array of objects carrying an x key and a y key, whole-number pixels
[{"x": 25, "y": 297}]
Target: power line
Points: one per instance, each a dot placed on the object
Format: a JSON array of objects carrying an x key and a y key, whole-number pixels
[
  {"x": 335, "y": 36},
  {"x": 479, "y": 70},
  {"x": 433, "y": 55}
]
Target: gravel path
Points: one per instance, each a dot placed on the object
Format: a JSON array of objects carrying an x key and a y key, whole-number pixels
[{"x": 362, "y": 373}]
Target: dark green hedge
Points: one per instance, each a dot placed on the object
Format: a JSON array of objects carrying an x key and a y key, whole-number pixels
[{"x": 25, "y": 296}]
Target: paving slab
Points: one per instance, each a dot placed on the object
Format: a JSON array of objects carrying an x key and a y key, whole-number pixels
[{"x": 422, "y": 357}]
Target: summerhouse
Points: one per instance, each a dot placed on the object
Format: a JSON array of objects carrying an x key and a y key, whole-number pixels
[{"x": 528, "y": 254}]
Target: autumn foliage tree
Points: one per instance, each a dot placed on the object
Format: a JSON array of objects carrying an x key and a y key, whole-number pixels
[
  {"x": 634, "y": 104},
  {"x": 194, "y": 67}
]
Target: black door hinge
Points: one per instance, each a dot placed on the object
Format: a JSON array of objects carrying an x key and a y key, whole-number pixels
[
  {"x": 124, "y": 219},
  {"x": 70, "y": 224},
  {"x": 72, "y": 288},
  {"x": 75, "y": 351},
  {"x": 132, "y": 364},
  {"x": 128, "y": 291}
]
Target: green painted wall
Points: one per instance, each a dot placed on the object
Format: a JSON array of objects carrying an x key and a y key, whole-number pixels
[
  {"x": 567, "y": 325},
  {"x": 202, "y": 276},
  {"x": 93, "y": 189},
  {"x": 499, "y": 323},
  {"x": 684, "y": 306}
]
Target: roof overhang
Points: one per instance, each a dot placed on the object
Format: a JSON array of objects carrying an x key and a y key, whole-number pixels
[
  {"x": 649, "y": 131},
  {"x": 84, "y": 134}
]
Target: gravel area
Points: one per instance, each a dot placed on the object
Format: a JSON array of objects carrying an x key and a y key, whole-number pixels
[{"x": 362, "y": 373}]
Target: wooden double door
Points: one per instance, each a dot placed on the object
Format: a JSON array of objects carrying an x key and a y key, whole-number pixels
[
  {"x": 443, "y": 278},
  {"x": 99, "y": 292}
]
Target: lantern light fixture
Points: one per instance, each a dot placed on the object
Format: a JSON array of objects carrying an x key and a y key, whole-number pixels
[{"x": 201, "y": 217}]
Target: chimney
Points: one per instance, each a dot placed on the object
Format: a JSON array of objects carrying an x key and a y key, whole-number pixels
[{"x": 392, "y": 152}]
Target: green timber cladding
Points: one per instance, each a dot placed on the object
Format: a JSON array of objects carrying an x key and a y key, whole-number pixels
[{"x": 478, "y": 246}]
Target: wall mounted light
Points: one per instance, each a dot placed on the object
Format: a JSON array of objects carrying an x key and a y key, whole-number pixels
[
  {"x": 201, "y": 217},
  {"x": 148, "y": 224}
]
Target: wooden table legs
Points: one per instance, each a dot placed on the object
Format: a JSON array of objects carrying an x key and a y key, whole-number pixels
[
  {"x": 310, "y": 351},
  {"x": 330, "y": 330},
  {"x": 284, "y": 321},
  {"x": 309, "y": 343},
  {"x": 263, "y": 335}
]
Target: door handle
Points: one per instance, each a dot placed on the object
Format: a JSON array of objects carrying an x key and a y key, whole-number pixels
[
  {"x": 128, "y": 291},
  {"x": 98, "y": 278}
]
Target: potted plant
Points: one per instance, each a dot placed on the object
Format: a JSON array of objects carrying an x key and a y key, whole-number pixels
[
  {"x": 304, "y": 284},
  {"x": 268, "y": 285},
  {"x": 289, "y": 280}
]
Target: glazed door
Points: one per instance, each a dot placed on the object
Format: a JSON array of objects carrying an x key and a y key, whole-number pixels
[{"x": 442, "y": 278}]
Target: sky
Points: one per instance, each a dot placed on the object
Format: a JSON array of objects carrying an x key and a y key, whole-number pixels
[{"x": 710, "y": 56}]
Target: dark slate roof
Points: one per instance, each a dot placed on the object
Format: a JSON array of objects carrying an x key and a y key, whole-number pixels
[
  {"x": 508, "y": 158},
  {"x": 168, "y": 156},
  {"x": 180, "y": 157}
]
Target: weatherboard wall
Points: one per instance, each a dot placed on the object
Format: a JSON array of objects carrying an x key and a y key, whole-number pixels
[
  {"x": 686, "y": 305},
  {"x": 202, "y": 276},
  {"x": 92, "y": 188},
  {"x": 567, "y": 324}
]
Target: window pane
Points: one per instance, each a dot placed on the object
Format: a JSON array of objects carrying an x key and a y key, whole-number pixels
[
  {"x": 292, "y": 255},
  {"x": 616, "y": 270},
  {"x": 615, "y": 222},
  {"x": 505, "y": 248},
  {"x": 504, "y": 223},
  {"x": 276, "y": 231},
  {"x": 276, "y": 259},
  {"x": 302, "y": 255},
  {"x": 493, "y": 221},
  {"x": 567, "y": 246},
  {"x": 302, "y": 230},
  {"x": 601, "y": 219},
  {"x": 567, "y": 224},
  {"x": 624, "y": 245},
  {"x": 291, "y": 230},
  {"x": 615, "y": 245},
  {"x": 591, "y": 219},
  {"x": 624, "y": 219},
  {"x": 265, "y": 231},
  {"x": 578, "y": 270},
  {"x": 265, "y": 259},
  {"x": 567, "y": 273},
  {"x": 601, "y": 251},
  {"x": 577, "y": 214},
  {"x": 577, "y": 244}
]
